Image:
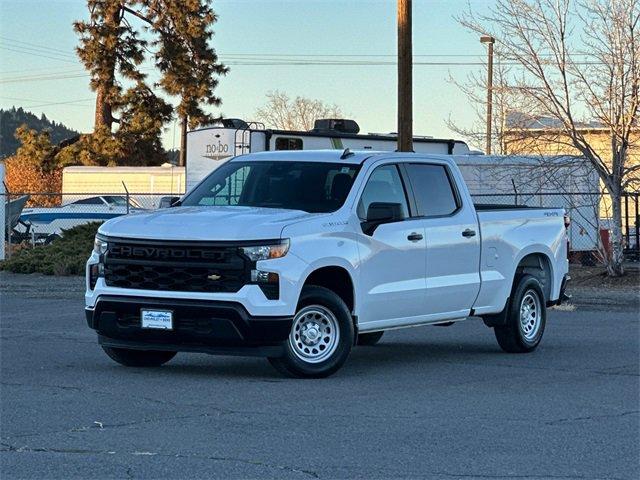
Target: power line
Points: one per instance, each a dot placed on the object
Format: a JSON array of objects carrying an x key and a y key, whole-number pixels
[
  {"x": 66, "y": 102},
  {"x": 291, "y": 63},
  {"x": 42, "y": 78},
  {"x": 427, "y": 55},
  {"x": 36, "y": 54},
  {"x": 36, "y": 45}
]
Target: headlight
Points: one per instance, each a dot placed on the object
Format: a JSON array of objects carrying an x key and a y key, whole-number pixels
[
  {"x": 266, "y": 252},
  {"x": 99, "y": 246}
]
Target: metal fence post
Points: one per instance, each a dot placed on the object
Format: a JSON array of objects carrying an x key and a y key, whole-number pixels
[
  {"x": 636, "y": 196},
  {"x": 127, "y": 195},
  {"x": 626, "y": 219},
  {"x": 4, "y": 226},
  {"x": 7, "y": 219}
]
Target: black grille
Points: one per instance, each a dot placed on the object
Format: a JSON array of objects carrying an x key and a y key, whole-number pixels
[{"x": 175, "y": 267}]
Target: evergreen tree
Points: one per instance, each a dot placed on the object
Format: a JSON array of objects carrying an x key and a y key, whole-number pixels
[
  {"x": 13, "y": 118},
  {"x": 112, "y": 50}
]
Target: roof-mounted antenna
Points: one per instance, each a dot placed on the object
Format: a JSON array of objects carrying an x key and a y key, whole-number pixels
[{"x": 347, "y": 153}]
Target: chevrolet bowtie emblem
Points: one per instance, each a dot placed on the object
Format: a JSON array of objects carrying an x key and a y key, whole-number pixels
[{"x": 214, "y": 277}]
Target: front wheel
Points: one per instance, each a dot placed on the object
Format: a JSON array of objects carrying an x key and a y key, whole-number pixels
[
  {"x": 320, "y": 338},
  {"x": 138, "y": 358},
  {"x": 526, "y": 317}
]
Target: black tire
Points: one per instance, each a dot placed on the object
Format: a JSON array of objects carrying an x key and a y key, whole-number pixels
[
  {"x": 369, "y": 339},
  {"x": 291, "y": 364},
  {"x": 513, "y": 337},
  {"x": 138, "y": 358}
]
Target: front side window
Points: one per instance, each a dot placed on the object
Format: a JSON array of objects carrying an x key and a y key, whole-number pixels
[
  {"x": 433, "y": 189},
  {"x": 315, "y": 187},
  {"x": 384, "y": 186}
]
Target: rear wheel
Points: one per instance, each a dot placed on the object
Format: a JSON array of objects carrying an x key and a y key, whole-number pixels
[
  {"x": 368, "y": 339},
  {"x": 321, "y": 336},
  {"x": 138, "y": 358},
  {"x": 526, "y": 317}
]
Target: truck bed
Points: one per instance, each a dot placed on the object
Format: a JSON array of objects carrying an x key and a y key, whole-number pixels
[{"x": 509, "y": 233}]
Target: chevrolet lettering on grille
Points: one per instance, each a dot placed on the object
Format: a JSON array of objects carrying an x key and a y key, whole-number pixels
[{"x": 129, "y": 251}]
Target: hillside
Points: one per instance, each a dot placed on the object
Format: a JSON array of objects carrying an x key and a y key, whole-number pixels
[{"x": 14, "y": 117}]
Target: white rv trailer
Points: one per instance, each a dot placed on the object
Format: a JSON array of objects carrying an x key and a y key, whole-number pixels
[
  {"x": 208, "y": 147},
  {"x": 536, "y": 181}
]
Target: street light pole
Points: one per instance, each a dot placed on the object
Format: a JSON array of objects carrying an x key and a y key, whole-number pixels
[
  {"x": 490, "y": 41},
  {"x": 405, "y": 78}
]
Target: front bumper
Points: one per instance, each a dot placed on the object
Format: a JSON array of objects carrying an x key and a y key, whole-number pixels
[{"x": 198, "y": 326}]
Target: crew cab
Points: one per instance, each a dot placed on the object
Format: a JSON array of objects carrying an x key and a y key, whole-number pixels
[{"x": 300, "y": 256}]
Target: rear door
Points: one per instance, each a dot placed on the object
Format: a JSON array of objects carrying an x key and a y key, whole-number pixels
[
  {"x": 392, "y": 257},
  {"x": 452, "y": 240}
]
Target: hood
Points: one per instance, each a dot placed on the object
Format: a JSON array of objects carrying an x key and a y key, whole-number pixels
[{"x": 204, "y": 223}]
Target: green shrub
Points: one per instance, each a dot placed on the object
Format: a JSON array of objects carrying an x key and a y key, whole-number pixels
[{"x": 66, "y": 255}]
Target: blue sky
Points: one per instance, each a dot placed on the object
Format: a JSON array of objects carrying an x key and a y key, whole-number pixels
[{"x": 40, "y": 72}]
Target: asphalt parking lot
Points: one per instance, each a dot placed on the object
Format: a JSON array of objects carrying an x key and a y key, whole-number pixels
[{"x": 425, "y": 403}]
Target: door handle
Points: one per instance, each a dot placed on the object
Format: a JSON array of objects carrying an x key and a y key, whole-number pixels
[
  {"x": 469, "y": 233},
  {"x": 415, "y": 237}
]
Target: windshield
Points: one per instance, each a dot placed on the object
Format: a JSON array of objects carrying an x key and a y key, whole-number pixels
[
  {"x": 121, "y": 201},
  {"x": 309, "y": 186}
]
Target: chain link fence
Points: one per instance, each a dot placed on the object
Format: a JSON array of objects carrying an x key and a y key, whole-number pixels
[
  {"x": 39, "y": 218},
  {"x": 590, "y": 214}
]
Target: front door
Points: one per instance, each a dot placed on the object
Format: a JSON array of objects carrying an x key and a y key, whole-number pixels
[{"x": 392, "y": 257}]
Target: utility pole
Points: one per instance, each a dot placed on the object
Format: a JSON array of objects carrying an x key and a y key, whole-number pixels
[
  {"x": 182, "y": 159},
  {"x": 405, "y": 78},
  {"x": 490, "y": 41}
]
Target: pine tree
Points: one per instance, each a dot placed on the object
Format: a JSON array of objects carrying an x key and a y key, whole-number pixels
[{"x": 113, "y": 51}]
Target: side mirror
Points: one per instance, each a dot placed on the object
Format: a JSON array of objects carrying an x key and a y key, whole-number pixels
[{"x": 379, "y": 213}]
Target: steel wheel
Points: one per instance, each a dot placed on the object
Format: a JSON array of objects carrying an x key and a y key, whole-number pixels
[
  {"x": 530, "y": 311},
  {"x": 314, "y": 334}
]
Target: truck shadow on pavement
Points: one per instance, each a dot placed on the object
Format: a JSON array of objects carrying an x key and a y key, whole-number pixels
[{"x": 364, "y": 360}]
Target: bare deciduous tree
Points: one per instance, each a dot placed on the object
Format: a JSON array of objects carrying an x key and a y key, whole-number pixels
[
  {"x": 578, "y": 61},
  {"x": 283, "y": 112},
  {"x": 505, "y": 101}
]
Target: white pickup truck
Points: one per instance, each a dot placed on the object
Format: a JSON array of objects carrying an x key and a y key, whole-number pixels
[{"x": 299, "y": 256}]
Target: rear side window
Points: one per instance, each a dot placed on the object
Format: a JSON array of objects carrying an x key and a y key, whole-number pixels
[
  {"x": 285, "y": 143},
  {"x": 433, "y": 190}
]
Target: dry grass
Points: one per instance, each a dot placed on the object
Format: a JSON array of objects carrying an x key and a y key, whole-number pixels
[{"x": 582, "y": 276}]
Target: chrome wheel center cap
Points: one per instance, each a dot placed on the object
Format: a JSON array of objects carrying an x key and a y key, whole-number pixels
[{"x": 311, "y": 333}]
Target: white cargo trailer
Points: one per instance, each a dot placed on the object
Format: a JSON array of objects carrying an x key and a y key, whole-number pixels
[
  {"x": 208, "y": 147},
  {"x": 144, "y": 183}
]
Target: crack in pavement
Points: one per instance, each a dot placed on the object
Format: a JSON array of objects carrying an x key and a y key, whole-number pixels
[
  {"x": 553, "y": 369},
  {"x": 287, "y": 468},
  {"x": 213, "y": 410},
  {"x": 26, "y": 449},
  {"x": 591, "y": 417}
]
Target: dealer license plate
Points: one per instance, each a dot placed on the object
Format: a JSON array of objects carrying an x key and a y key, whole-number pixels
[{"x": 158, "y": 319}]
